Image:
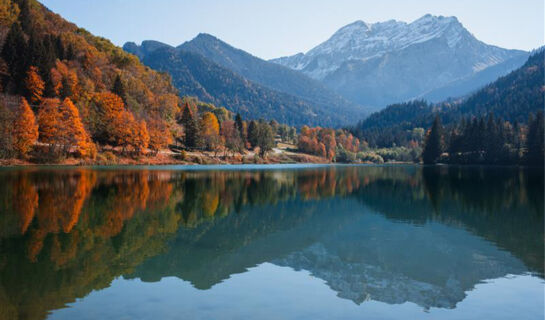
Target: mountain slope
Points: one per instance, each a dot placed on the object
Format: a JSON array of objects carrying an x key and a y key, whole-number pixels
[
  {"x": 265, "y": 73},
  {"x": 195, "y": 75},
  {"x": 387, "y": 62},
  {"x": 512, "y": 97}
]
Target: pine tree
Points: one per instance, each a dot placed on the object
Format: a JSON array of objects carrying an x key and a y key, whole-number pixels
[
  {"x": 434, "y": 143},
  {"x": 25, "y": 16},
  {"x": 252, "y": 133},
  {"x": 25, "y": 129},
  {"x": 240, "y": 126},
  {"x": 191, "y": 129},
  {"x": 15, "y": 47},
  {"x": 535, "y": 141},
  {"x": 119, "y": 89}
]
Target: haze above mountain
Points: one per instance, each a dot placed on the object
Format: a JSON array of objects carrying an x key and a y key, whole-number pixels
[{"x": 387, "y": 62}]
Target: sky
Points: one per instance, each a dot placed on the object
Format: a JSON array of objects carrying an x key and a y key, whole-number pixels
[{"x": 274, "y": 28}]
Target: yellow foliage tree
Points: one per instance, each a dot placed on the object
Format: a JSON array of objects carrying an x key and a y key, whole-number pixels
[
  {"x": 25, "y": 129},
  {"x": 210, "y": 130}
]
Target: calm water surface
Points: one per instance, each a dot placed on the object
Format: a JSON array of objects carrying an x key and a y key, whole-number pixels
[{"x": 317, "y": 242}]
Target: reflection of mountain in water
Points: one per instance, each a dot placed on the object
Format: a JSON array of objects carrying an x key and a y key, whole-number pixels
[
  {"x": 431, "y": 265},
  {"x": 391, "y": 234}
]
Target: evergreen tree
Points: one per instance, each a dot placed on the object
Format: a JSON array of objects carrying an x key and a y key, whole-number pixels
[
  {"x": 69, "y": 53},
  {"x": 240, "y": 126},
  {"x": 191, "y": 129},
  {"x": 253, "y": 133},
  {"x": 119, "y": 88},
  {"x": 25, "y": 16},
  {"x": 535, "y": 141},
  {"x": 434, "y": 143},
  {"x": 15, "y": 47}
]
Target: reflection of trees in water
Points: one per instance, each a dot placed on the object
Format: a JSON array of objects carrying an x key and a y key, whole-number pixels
[{"x": 66, "y": 232}]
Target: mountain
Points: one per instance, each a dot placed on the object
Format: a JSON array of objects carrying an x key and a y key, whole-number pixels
[
  {"x": 386, "y": 62},
  {"x": 266, "y": 73},
  {"x": 512, "y": 97},
  {"x": 216, "y": 72},
  {"x": 195, "y": 75}
]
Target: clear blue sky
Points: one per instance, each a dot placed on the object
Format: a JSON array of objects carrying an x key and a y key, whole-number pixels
[{"x": 273, "y": 28}]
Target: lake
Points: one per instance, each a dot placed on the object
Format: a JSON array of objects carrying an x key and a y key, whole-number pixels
[{"x": 271, "y": 242}]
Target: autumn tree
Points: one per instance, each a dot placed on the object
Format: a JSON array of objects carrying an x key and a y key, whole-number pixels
[
  {"x": 231, "y": 136},
  {"x": 50, "y": 123},
  {"x": 74, "y": 133},
  {"x": 210, "y": 131},
  {"x": 25, "y": 129},
  {"x": 34, "y": 85},
  {"x": 6, "y": 134},
  {"x": 159, "y": 135},
  {"x": 107, "y": 115}
]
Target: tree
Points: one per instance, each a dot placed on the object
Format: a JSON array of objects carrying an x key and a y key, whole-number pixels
[
  {"x": 119, "y": 88},
  {"x": 434, "y": 143},
  {"x": 209, "y": 126},
  {"x": 6, "y": 134},
  {"x": 231, "y": 135},
  {"x": 13, "y": 51},
  {"x": 74, "y": 134},
  {"x": 253, "y": 133},
  {"x": 159, "y": 135},
  {"x": 240, "y": 126},
  {"x": 534, "y": 141},
  {"x": 191, "y": 131},
  {"x": 106, "y": 118},
  {"x": 25, "y": 129},
  {"x": 49, "y": 122},
  {"x": 140, "y": 136},
  {"x": 35, "y": 85},
  {"x": 265, "y": 138}
]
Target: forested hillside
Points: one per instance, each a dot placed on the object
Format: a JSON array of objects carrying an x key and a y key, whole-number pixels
[
  {"x": 195, "y": 74},
  {"x": 270, "y": 75},
  {"x": 510, "y": 98},
  {"x": 67, "y": 94},
  {"x": 72, "y": 90}
]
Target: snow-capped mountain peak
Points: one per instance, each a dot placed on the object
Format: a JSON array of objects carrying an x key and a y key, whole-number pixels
[{"x": 361, "y": 59}]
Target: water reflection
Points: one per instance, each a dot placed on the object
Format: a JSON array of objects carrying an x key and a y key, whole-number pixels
[{"x": 390, "y": 234}]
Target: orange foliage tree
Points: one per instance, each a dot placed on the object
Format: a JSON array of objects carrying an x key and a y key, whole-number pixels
[
  {"x": 74, "y": 133},
  {"x": 25, "y": 129},
  {"x": 159, "y": 135},
  {"x": 49, "y": 122},
  {"x": 35, "y": 85}
]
